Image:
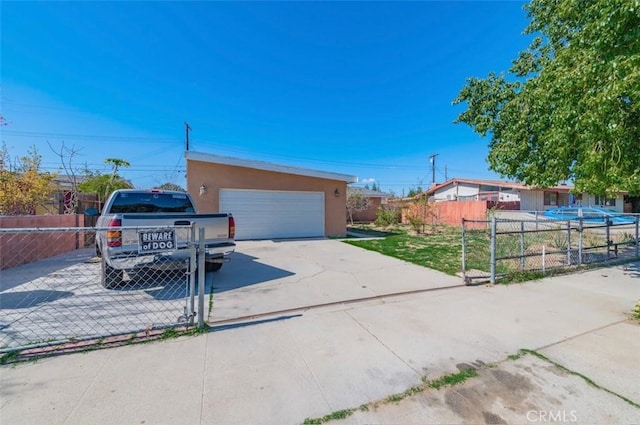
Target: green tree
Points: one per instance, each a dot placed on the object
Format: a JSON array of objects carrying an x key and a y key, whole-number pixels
[
  {"x": 421, "y": 212},
  {"x": 570, "y": 107},
  {"x": 23, "y": 186},
  {"x": 116, "y": 163},
  {"x": 170, "y": 186},
  {"x": 356, "y": 202},
  {"x": 414, "y": 191},
  {"x": 105, "y": 184}
]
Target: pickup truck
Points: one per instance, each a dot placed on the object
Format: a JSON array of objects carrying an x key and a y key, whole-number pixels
[{"x": 140, "y": 229}]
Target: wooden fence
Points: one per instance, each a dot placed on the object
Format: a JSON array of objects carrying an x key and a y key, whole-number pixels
[{"x": 451, "y": 213}]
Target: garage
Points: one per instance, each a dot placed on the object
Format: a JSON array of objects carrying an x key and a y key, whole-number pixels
[
  {"x": 268, "y": 200},
  {"x": 266, "y": 214}
]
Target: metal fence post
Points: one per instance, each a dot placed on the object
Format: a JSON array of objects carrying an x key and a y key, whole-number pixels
[
  {"x": 464, "y": 254},
  {"x": 580, "y": 241},
  {"x": 201, "y": 277},
  {"x": 493, "y": 250},
  {"x": 192, "y": 272},
  {"x": 638, "y": 236},
  {"x": 608, "y": 234},
  {"x": 522, "y": 247},
  {"x": 568, "y": 242}
]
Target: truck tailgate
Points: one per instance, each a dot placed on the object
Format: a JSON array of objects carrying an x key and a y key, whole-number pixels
[{"x": 216, "y": 226}]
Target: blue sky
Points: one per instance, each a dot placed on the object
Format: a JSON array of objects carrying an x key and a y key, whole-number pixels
[{"x": 357, "y": 88}]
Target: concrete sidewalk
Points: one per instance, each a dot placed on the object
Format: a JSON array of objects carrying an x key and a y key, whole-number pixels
[{"x": 281, "y": 370}]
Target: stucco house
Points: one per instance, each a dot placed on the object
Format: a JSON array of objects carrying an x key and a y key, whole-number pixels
[
  {"x": 268, "y": 200},
  {"x": 530, "y": 198},
  {"x": 376, "y": 200}
]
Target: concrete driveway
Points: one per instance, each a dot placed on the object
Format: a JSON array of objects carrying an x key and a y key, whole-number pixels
[
  {"x": 61, "y": 298},
  {"x": 270, "y": 276}
]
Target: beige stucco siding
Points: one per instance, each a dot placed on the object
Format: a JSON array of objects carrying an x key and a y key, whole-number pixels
[
  {"x": 370, "y": 214},
  {"x": 218, "y": 176}
]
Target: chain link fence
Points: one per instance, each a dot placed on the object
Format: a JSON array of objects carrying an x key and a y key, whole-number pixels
[
  {"x": 55, "y": 288},
  {"x": 496, "y": 248}
]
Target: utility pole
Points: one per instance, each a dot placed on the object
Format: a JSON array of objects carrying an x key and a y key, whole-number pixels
[
  {"x": 432, "y": 159},
  {"x": 186, "y": 134},
  {"x": 446, "y": 177}
]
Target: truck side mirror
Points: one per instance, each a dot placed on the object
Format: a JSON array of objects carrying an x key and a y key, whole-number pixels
[{"x": 91, "y": 212}]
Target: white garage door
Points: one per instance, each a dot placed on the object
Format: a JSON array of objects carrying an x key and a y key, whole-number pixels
[{"x": 271, "y": 214}]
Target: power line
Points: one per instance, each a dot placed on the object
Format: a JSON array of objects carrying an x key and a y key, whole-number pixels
[
  {"x": 124, "y": 139},
  {"x": 323, "y": 161},
  {"x": 234, "y": 150},
  {"x": 128, "y": 170}
]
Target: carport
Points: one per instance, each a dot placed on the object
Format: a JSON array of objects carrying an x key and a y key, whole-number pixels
[{"x": 268, "y": 200}]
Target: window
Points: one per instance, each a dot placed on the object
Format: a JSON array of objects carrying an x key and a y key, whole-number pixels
[
  {"x": 605, "y": 202},
  {"x": 150, "y": 203},
  {"x": 551, "y": 198}
]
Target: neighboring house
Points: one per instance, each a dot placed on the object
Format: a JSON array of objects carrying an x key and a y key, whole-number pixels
[
  {"x": 376, "y": 200},
  {"x": 269, "y": 200},
  {"x": 530, "y": 198},
  {"x": 61, "y": 199}
]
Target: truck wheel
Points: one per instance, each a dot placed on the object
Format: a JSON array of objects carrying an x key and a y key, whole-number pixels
[
  {"x": 212, "y": 267},
  {"x": 98, "y": 253},
  {"x": 111, "y": 278}
]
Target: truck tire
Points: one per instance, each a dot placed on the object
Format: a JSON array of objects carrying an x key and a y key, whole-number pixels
[
  {"x": 111, "y": 278},
  {"x": 212, "y": 267}
]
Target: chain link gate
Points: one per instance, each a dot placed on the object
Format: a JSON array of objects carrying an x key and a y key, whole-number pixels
[
  {"x": 502, "y": 247},
  {"x": 52, "y": 288},
  {"x": 476, "y": 251}
]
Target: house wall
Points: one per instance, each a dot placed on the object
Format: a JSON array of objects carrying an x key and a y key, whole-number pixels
[
  {"x": 24, "y": 248},
  {"x": 563, "y": 200},
  {"x": 461, "y": 191},
  {"x": 531, "y": 200},
  {"x": 446, "y": 193},
  {"x": 220, "y": 176},
  {"x": 509, "y": 196},
  {"x": 590, "y": 201},
  {"x": 369, "y": 215},
  {"x": 467, "y": 189},
  {"x": 452, "y": 192}
]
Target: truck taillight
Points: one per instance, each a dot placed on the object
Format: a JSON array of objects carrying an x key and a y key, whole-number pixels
[
  {"x": 114, "y": 237},
  {"x": 232, "y": 228}
]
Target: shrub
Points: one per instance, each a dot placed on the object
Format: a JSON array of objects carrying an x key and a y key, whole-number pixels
[
  {"x": 356, "y": 203},
  {"x": 421, "y": 213},
  {"x": 559, "y": 240},
  {"x": 387, "y": 216},
  {"x": 626, "y": 237}
]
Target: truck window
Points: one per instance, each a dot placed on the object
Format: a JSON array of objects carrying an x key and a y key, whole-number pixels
[{"x": 150, "y": 203}]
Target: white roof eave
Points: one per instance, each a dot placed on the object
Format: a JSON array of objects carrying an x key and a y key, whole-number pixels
[{"x": 267, "y": 166}]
